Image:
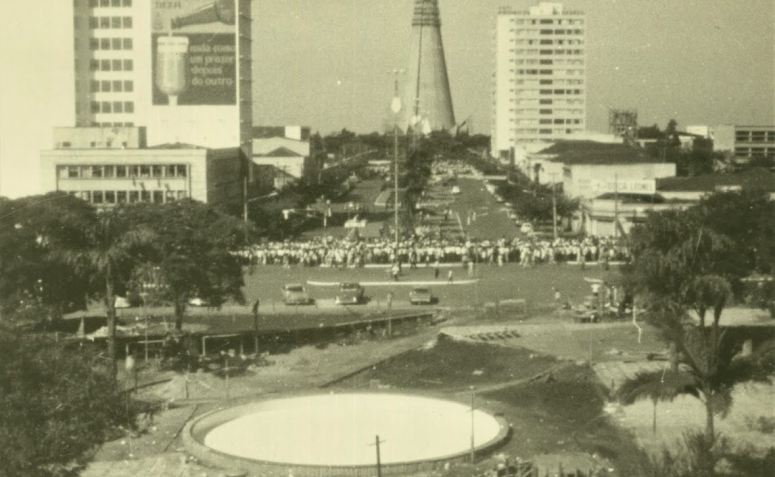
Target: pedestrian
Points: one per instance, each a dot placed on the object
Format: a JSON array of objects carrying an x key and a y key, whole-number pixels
[
  {"x": 449, "y": 277},
  {"x": 557, "y": 297},
  {"x": 470, "y": 269},
  {"x": 436, "y": 269},
  {"x": 395, "y": 271}
]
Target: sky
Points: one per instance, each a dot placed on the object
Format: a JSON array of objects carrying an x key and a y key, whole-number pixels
[{"x": 326, "y": 63}]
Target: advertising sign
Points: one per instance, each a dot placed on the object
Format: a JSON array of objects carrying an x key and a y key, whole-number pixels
[
  {"x": 625, "y": 187},
  {"x": 194, "y": 52}
]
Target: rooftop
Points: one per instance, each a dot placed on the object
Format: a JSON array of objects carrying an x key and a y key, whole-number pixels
[
  {"x": 280, "y": 152},
  {"x": 596, "y": 153},
  {"x": 755, "y": 178}
]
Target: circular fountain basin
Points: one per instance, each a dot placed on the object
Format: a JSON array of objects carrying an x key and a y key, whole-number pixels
[{"x": 338, "y": 432}]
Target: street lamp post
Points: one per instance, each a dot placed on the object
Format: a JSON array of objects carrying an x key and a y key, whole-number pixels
[
  {"x": 473, "y": 448},
  {"x": 395, "y": 106}
]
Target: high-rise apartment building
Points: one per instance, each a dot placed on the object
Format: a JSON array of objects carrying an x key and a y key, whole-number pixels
[
  {"x": 181, "y": 69},
  {"x": 540, "y": 76}
]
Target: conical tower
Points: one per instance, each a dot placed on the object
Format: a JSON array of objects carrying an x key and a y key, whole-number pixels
[{"x": 427, "y": 101}]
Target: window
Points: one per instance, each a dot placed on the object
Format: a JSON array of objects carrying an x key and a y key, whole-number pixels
[
  {"x": 118, "y": 107},
  {"x": 559, "y": 121},
  {"x": 145, "y": 171},
  {"x": 106, "y": 107},
  {"x": 169, "y": 196},
  {"x": 94, "y": 86},
  {"x": 105, "y": 86},
  {"x": 93, "y": 23},
  {"x": 157, "y": 171},
  {"x": 95, "y": 106},
  {"x": 115, "y": 3},
  {"x": 546, "y": 62},
  {"x": 546, "y": 72},
  {"x": 181, "y": 194},
  {"x": 127, "y": 22},
  {"x": 134, "y": 196},
  {"x": 170, "y": 171},
  {"x": 145, "y": 196},
  {"x": 116, "y": 64},
  {"x": 118, "y": 86},
  {"x": 104, "y": 22},
  {"x": 134, "y": 171},
  {"x": 545, "y": 121},
  {"x": 545, "y": 101},
  {"x": 546, "y": 42},
  {"x": 93, "y": 3},
  {"x": 115, "y": 22},
  {"x": 105, "y": 65},
  {"x": 127, "y": 3},
  {"x": 97, "y": 197},
  {"x": 544, "y": 131},
  {"x": 86, "y": 172},
  {"x": 127, "y": 43},
  {"x": 96, "y": 171},
  {"x": 108, "y": 171},
  {"x": 120, "y": 171},
  {"x": 545, "y": 91},
  {"x": 72, "y": 172},
  {"x": 158, "y": 197},
  {"x": 115, "y": 43},
  {"x": 129, "y": 86},
  {"x": 94, "y": 65},
  {"x": 545, "y": 111},
  {"x": 545, "y": 81},
  {"x": 121, "y": 196},
  {"x": 110, "y": 197},
  {"x": 104, "y": 43},
  {"x": 104, "y": 3},
  {"x": 546, "y": 22},
  {"x": 129, "y": 107},
  {"x": 128, "y": 65},
  {"x": 94, "y": 44},
  {"x": 181, "y": 171}
]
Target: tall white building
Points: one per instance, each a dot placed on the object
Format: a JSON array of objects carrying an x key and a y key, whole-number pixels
[
  {"x": 181, "y": 69},
  {"x": 539, "y": 92}
]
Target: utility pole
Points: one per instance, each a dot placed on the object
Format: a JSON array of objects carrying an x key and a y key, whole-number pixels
[
  {"x": 379, "y": 462},
  {"x": 554, "y": 206},
  {"x": 395, "y": 106},
  {"x": 616, "y": 206},
  {"x": 473, "y": 447}
]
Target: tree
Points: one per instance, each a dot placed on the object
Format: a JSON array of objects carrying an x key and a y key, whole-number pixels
[
  {"x": 192, "y": 248},
  {"x": 113, "y": 245},
  {"x": 56, "y": 405},
  {"x": 678, "y": 266},
  {"x": 34, "y": 280}
]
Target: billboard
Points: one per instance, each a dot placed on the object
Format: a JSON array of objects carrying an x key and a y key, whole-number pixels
[
  {"x": 194, "y": 52},
  {"x": 625, "y": 187}
]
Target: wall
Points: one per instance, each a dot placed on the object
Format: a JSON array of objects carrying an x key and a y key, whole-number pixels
[{"x": 577, "y": 178}]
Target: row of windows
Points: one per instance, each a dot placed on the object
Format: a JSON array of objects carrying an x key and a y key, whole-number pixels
[
  {"x": 110, "y": 3},
  {"x": 559, "y": 131},
  {"x": 569, "y": 72},
  {"x": 535, "y": 122},
  {"x": 527, "y": 92},
  {"x": 549, "y": 52},
  {"x": 569, "y": 112},
  {"x": 557, "y": 32},
  {"x": 113, "y": 125},
  {"x": 546, "y": 21},
  {"x": 111, "y": 65},
  {"x": 115, "y": 86},
  {"x": 110, "y": 171},
  {"x": 557, "y": 101},
  {"x": 755, "y": 151},
  {"x": 112, "y": 107},
  {"x": 755, "y": 136},
  {"x": 110, "y": 44},
  {"x": 544, "y": 81},
  {"x": 546, "y": 61},
  {"x": 110, "y": 22},
  {"x": 548, "y": 42},
  {"x": 102, "y": 197}
]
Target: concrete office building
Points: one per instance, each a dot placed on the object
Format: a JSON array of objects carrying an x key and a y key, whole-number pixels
[
  {"x": 110, "y": 166},
  {"x": 745, "y": 142},
  {"x": 180, "y": 69},
  {"x": 539, "y": 90}
]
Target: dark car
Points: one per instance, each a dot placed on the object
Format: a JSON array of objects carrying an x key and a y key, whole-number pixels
[
  {"x": 295, "y": 294},
  {"x": 349, "y": 294},
  {"x": 421, "y": 296}
]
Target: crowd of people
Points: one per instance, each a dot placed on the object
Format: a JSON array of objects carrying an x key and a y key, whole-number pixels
[{"x": 341, "y": 252}]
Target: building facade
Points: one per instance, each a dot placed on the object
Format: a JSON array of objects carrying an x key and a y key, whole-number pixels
[
  {"x": 180, "y": 69},
  {"x": 539, "y": 91},
  {"x": 111, "y": 166},
  {"x": 745, "y": 142}
]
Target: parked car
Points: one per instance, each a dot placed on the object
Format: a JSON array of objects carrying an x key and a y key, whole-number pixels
[
  {"x": 196, "y": 301},
  {"x": 526, "y": 228},
  {"x": 121, "y": 302},
  {"x": 421, "y": 296},
  {"x": 455, "y": 190},
  {"x": 349, "y": 294},
  {"x": 295, "y": 294}
]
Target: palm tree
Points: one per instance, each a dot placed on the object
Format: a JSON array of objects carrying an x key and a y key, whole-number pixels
[
  {"x": 658, "y": 386},
  {"x": 108, "y": 256}
]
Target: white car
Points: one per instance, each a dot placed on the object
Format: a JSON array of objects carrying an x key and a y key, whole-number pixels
[
  {"x": 455, "y": 189},
  {"x": 526, "y": 228}
]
